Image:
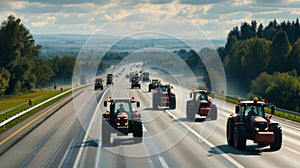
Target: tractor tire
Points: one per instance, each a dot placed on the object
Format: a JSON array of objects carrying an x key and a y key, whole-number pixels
[
  {"x": 240, "y": 137},
  {"x": 154, "y": 102},
  {"x": 139, "y": 86},
  {"x": 213, "y": 115},
  {"x": 102, "y": 88},
  {"x": 105, "y": 132},
  {"x": 131, "y": 86},
  {"x": 172, "y": 103},
  {"x": 230, "y": 131},
  {"x": 277, "y": 139},
  {"x": 150, "y": 87},
  {"x": 190, "y": 113},
  {"x": 137, "y": 131}
]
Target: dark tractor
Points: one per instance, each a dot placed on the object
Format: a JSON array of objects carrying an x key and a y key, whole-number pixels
[
  {"x": 154, "y": 83},
  {"x": 122, "y": 119},
  {"x": 99, "y": 83},
  {"x": 135, "y": 82},
  {"x": 250, "y": 122},
  {"x": 200, "y": 104},
  {"x": 164, "y": 97}
]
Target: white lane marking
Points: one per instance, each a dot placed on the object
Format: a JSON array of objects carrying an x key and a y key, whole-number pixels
[
  {"x": 291, "y": 150},
  {"x": 163, "y": 162},
  {"x": 234, "y": 162},
  {"x": 226, "y": 156},
  {"x": 87, "y": 134}
]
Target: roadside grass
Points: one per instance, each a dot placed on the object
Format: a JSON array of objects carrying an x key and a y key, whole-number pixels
[
  {"x": 277, "y": 112},
  {"x": 14, "y": 101}
]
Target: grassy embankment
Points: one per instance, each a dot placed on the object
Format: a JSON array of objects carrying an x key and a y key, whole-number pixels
[
  {"x": 13, "y": 105},
  {"x": 277, "y": 112}
]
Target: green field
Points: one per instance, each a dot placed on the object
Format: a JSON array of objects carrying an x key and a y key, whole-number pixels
[{"x": 15, "y": 104}]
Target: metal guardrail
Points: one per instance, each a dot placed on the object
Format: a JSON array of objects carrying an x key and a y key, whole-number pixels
[{"x": 289, "y": 112}]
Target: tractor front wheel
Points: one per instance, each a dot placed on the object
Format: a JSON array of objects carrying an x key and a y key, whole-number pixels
[{"x": 277, "y": 139}]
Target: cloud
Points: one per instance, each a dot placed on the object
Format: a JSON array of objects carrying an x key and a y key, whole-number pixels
[
  {"x": 39, "y": 24},
  {"x": 201, "y": 2}
]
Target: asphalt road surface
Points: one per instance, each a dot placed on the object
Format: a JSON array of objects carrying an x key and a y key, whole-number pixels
[{"x": 68, "y": 134}]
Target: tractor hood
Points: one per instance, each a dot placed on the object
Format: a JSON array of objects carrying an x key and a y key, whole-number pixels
[{"x": 257, "y": 119}]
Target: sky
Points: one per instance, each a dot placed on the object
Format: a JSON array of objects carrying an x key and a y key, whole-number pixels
[{"x": 214, "y": 18}]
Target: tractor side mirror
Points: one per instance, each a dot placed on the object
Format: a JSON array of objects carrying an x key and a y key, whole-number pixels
[
  {"x": 191, "y": 95},
  {"x": 105, "y": 103},
  {"x": 237, "y": 109},
  {"x": 272, "y": 109},
  {"x": 138, "y": 104}
]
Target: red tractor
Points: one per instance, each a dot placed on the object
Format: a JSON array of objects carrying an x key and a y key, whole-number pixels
[
  {"x": 109, "y": 79},
  {"x": 99, "y": 83},
  {"x": 154, "y": 83},
  {"x": 122, "y": 119},
  {"x": 164, "y": 97},
  {"x": 251, "y": 122},
  {"x": 200, "y": 104}
]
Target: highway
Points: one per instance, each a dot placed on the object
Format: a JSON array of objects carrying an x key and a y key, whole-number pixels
[{"x": 68, "y": 134}]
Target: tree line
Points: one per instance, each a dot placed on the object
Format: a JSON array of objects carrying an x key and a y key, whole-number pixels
[
  {"x": 264, "y": 61},
  {"x": 21, "y": 69}
]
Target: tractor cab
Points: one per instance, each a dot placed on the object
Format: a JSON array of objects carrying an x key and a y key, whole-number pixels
[{"x": 246, "y": 109}]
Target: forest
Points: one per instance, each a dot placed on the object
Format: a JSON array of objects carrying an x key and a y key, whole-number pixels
[{"x": 265, "y": 62}]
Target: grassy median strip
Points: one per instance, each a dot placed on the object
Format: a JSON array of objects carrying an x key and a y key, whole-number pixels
[{"x": 41, "y": 96}]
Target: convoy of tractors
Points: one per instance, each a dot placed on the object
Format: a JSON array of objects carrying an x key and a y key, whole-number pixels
[{"x": 249, "y": 122}]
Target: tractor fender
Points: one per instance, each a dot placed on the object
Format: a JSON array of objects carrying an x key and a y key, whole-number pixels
[{"x": 235, "y": 118}]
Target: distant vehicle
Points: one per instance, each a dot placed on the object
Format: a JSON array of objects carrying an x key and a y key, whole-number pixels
[
  {"x": 200, "y": 104},
  {"x": 109, "y": 79},
  {"x": 99, "y": 83},
  {"x": 251, "y": 122},
  {"x": 135, "y": 82},
  {"x": 146, "y": 76},
  {"x": 154, "y": 83},
  {"x": 121, "y": 118},
  {"x": 127, "y": 76},
  {"x": 164, "y": 97}
]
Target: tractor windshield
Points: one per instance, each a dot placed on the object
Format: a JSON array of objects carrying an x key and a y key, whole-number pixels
[
  {"x": 201, "y": 96},
  {"x": 254, "y": 111},
  {"x": 135, "y": 79},
  {"x": 164, "y": 88},
  {"x": 122, "y": 107},
  {"x": 98, "y": 82}
]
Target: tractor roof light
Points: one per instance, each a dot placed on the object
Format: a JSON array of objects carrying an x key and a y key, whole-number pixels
[
  {"x": 193, "y": 89},
  {"x": 132, "y": 97},
  {"x": 255, "y": 99},
  {"x": 239, "y": 99}
]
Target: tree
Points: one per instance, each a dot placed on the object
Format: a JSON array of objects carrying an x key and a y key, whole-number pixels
[
  {"x": 294, "y": 57},
  {"x": 4, "y": 80},
  {"x": 18, "y": 53},
  {"x": 279, "y": 51}
]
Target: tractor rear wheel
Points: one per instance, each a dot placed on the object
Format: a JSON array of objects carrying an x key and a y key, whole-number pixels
[
  {"x": 190, "y": 112},
  {"x": 150, "y": 87},
  {"x": 105, "y": 132},
  {"x": 155, "y": 102},
  {"x": 137, "y": 131},
  {"x": 277, "y": 139},
  {"x": 230, "y": 131},
  {"x": 172, "y": 103},
  {"x": 213, "y": 114},
  {"x": 240, "y": 137}
]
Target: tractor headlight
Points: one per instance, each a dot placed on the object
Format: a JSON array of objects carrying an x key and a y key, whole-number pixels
[{"x": 256, "y": 128}]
